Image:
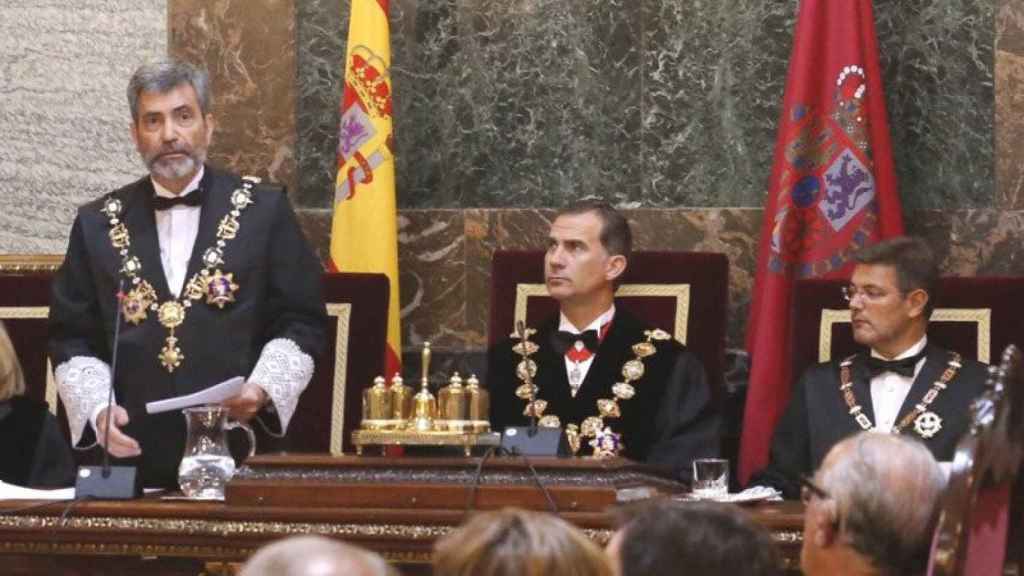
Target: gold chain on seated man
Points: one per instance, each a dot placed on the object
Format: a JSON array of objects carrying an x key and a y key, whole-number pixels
[
  {"x": 218, "y": 288},
  {"x": 926, "y": 423},
  {"x": 593, "y": 426}
]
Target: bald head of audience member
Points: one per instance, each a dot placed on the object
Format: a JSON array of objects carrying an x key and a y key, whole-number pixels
[
  {"x": 870, "y": 508},
  {"x": 518, "y": 543},
  {"x": 315, "y": 556},
  {"x": 667, "y": 537}
]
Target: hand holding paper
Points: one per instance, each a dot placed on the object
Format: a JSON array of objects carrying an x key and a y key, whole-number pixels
[
  {"x": 247, "y": 403},
  {"x": 212, "y": 395}
]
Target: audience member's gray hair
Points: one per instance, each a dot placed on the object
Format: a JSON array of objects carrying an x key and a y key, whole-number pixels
[
  {"x": 315, "y": 556},
  {"x": 165, "y": 75},
  {"x": 887, "y": 489}
]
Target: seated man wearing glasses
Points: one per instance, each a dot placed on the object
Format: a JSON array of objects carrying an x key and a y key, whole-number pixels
[
  {"x": 903, "y": 386},
  {"x": 869, "y": 508}
]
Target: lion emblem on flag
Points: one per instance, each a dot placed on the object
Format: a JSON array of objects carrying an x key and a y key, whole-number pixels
[{"x": 826, "y": 191}]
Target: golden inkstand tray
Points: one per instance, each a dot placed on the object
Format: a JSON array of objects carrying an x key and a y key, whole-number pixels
[{"x": 456, "y": 418}]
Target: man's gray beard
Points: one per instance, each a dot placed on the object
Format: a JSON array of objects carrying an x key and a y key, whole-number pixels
[{"x": 169, "y": 169}]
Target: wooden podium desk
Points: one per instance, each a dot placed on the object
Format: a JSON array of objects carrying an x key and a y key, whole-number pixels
[{"x": 395, "y": 506}]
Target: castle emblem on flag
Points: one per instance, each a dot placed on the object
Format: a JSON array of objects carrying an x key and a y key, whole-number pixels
[
  {"x": 365, "y": 129},
  {"x": 826, "y": 192}
]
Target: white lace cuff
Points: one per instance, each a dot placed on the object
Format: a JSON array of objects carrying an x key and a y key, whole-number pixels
[
  {"x": 83, "y": 383},
  {"x": 283, "y": 371}
]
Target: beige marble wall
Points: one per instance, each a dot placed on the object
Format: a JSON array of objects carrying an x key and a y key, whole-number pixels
[
  {"x": 1009, "y": 77},
  {"x": 248, "y": 47},
  {"x": 63, "y": 115}
]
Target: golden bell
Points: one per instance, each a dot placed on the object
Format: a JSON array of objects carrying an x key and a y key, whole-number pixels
[
  {"x": 377, "y": 406},
  {"x": 478, "y": 403},
  {"x": 453, "y": 406},
  {"x": 424, "y": 410},
  {"x": 401, "y": 401}
]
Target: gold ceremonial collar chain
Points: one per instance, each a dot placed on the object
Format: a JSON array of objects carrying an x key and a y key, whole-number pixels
[
  {"x": 218, "y": 288},
  {"x": 926, "y": 423},
  {"x": 604, "y": 441}
]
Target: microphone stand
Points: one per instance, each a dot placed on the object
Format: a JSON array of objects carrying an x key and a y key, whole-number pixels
[{"x": 108, "y": 482}]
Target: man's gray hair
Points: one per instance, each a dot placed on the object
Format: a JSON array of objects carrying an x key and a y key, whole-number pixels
[
  {"x": 887, "y": 490},
  {"x": 312, "y": 555},
  {"x": 166, "y": 75}
]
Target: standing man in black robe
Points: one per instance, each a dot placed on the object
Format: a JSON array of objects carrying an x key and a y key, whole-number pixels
[
  {"x": 905, "y": 385},
  {"x": 616, "y": 385},
  {"x": 213, "y": 277}
]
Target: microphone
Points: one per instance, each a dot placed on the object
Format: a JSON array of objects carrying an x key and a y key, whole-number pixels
[
  {"x": 108, "y": 482},
  {"x": 533, "y": 440}
]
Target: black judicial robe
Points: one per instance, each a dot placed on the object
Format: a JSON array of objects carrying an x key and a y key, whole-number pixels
[
  {"x": 817, "y": 416},
  {"x": 279, "y": 296},
  {"x": 670, "y": 421},
  {"x": 33, "y": 451}
]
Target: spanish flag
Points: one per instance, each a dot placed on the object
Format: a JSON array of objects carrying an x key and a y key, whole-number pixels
[{"x": 364, "y": 234}]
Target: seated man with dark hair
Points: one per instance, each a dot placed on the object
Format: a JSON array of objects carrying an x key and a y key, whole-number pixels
[
  {"x": 870, "y": 508},
  {"x": 616, "y": 385},
  {"x": 667, "y": 537},
  {"x": 904, "y": 386}
]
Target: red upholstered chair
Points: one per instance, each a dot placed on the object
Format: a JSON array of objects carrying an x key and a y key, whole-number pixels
[
  {"x": 979, "y": 531},
  {"x": 973, "y": 316},
  {"x": 24, "y": 308},
  {"x": 328, "y": 410},
  {"x": 683, "y": 293},
  {"x": 331, "y": 407}
]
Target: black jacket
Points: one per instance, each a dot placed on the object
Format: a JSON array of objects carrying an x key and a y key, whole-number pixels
[
  {"x": 817, "y": 417},
  {"x": 279, "y": 296},
  {"x": 669, "y": 422}
]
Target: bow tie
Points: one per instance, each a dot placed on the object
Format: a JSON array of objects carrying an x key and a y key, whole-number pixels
[
  {"x": 195, "y": 198},
  {"x": 563, "y": 341},
  {"x": 903, "y": 366}
]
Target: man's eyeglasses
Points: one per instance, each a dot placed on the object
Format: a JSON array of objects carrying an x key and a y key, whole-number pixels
[
  {"x": 808, "y": 490},
  {"x": 868, "y": 294}
]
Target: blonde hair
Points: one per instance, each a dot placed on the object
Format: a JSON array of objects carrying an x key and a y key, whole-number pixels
[
  {"x": 513, "y": 542},
  {"x": 12, "y": 381}
]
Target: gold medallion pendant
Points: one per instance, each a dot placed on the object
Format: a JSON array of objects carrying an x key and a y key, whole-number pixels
[{"x": 171, "y": 314}]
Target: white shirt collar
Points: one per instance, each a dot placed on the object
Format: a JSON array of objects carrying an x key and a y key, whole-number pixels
[
  {"x": 566, "y": 325},
  {"x": 191, "y": 187},
  {"x": 908, "y": 352}
]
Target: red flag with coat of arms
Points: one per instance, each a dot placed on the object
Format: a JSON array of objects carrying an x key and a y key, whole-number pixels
[{"x": 832, "y": 191}]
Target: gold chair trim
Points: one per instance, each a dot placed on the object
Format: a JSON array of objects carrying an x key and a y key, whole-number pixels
[
  {"x": 35, "y": 313},
  {"x": 681, "y": 292},
  {"x": 343, "y": 312},
  {"x": 26, "y": 263},
  {"x": 981, "y": 317}
]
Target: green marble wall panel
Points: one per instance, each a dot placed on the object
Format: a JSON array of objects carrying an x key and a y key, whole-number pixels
[
  {"x": 650, "y": 103},
  {"x": 937, "y": 58}
]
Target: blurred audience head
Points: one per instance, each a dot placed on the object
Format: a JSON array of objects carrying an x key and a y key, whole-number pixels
[
  {"x": 667, "y": 537},
  {"x": 514, "y": 542},
  {"x": 315, "y": 556},
  {"x": 871, "y": 506},
  {"x": 12, "y": 381}
]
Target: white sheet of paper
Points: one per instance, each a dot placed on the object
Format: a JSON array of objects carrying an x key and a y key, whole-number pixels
[
  {"x": 211, "y": 395},
  {"x": 14, "y": 492}
]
